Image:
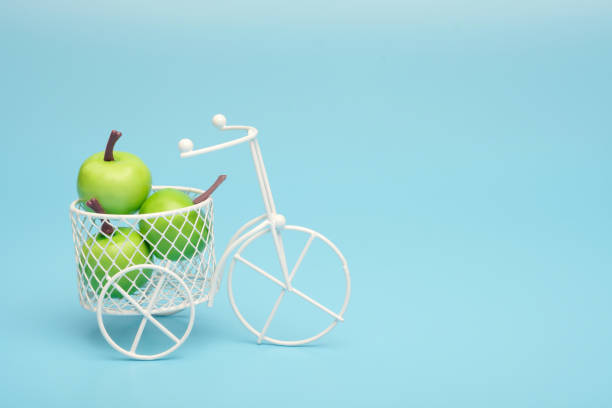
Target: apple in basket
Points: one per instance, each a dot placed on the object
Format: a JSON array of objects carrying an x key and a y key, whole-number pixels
[
  {"x": 179, "y": 236},
  {"x": 119, "y": 180},
  {"x": 112, "y": 250}
]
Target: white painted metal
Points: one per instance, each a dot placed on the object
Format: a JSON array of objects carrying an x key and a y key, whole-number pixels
[
  {"x": 195, "y": 270},
  {"x": 150, "y": 284},
  {"x": 271, "y": 222},
  {"x": 162, "y": 286},
  {"x": 337, "y": 317},
  {"x": 218, "y": 273},
  {"x": 146, "y": 310}
]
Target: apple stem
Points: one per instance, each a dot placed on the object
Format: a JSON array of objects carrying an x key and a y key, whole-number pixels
[
  {"x": 210, "y": 190},
  {"x": 95, "y": 205},
  {"x": 110, "y": 145}
]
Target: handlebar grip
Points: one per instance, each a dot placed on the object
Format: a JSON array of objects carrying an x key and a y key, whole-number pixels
[
  {"x": 219, "y": 121},
  {"x": 185, "y": 145}
]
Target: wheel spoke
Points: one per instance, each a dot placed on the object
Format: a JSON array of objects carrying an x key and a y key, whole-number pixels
[
  {"x": 301, "y": 257},
  {"x": 163, "y": 328},
  {"x": 280, "y": 251},
  {"x": 317, "y": 304},
  {"x": 271, "y": 316},
  {"x": 146, "y": 314},
  {"x": 143, "y": 322},
  {"x": 259, "y": 270}
]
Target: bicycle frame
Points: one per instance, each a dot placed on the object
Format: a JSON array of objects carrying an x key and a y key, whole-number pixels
[{"x": 271, "y": 219}]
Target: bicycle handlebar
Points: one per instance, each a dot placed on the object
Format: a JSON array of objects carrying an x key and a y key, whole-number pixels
[{"x": 186, "y": 145}]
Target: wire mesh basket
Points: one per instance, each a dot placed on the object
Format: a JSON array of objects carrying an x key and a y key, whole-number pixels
[{"x": 142, "y": 248}]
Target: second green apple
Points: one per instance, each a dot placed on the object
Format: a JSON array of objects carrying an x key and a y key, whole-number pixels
[{"x": 175, "y": 237}]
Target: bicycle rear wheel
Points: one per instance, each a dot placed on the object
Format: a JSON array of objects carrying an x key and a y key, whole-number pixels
[{"x": 166, "y": 294}]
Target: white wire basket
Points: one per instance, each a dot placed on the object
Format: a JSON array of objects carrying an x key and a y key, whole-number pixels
[{"x": 180, "y": 241}]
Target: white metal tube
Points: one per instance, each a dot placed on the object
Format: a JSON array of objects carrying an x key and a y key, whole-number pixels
[
  {"x": 271, "y": 316},
  {"x": 280, "y": 251},
  {"x": 301, "y": 257},
  {"x": 218, "y": 272},
  {"x": 259, "y": 270},
  {"x": 77, "y": 209},
  {"x": 266, "y": 181},
  {"x": 245, "y": 226},
  {"x": 260, "y": 178},
  {"x": 266, "y": 194},
  {"x": 317, "y": 304},
  {"x": 145, "y": 313},
  {"x": 220, "y": 146},
  {"x": 143, "y": 322}
]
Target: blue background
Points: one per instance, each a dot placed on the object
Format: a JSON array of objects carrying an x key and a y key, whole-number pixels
[{"x": 459, "y": 154}]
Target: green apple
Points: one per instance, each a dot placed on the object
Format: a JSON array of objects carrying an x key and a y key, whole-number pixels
[
  {"x": 119, "y": 180},
  {"x": 107, "y": 255},
  {"x": 176, "y": 236}
]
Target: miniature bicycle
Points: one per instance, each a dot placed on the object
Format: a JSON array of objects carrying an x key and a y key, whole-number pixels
[{"x": 119, "y": 275}]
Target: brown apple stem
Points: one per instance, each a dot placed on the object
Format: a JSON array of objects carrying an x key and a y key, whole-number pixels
[
  {"x": 110, "y": 145},
  {"x": 95, "y": 205},
  {"x": 211, "y": 189}
]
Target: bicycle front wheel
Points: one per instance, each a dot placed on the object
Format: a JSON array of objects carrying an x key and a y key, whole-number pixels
[{"x": 334, "y": 262}]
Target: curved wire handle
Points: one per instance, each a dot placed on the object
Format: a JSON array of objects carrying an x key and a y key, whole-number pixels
[{"x": 219, "y": 121}]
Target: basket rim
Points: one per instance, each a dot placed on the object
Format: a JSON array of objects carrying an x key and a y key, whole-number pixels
[{"x": 208, "y": 201}]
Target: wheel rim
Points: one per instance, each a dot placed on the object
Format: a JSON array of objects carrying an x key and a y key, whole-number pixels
[
  {"x": 147, "y": 312},
  {"x": 261, "y": 336}
]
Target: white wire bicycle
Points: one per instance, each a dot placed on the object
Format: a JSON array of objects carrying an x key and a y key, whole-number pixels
[
  {"x": 269, "y": 222},
  {"x": 123, "y": 270}
]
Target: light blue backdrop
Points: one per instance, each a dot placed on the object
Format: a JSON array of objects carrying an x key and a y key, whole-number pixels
[{"x": 458, "y": 154}]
